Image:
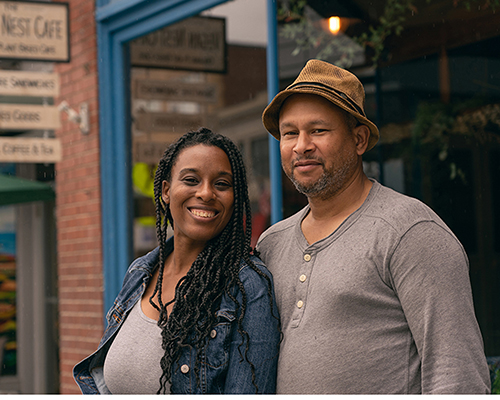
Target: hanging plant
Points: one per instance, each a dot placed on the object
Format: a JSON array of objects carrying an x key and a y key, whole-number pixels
[{"x": 435, "y": 123}]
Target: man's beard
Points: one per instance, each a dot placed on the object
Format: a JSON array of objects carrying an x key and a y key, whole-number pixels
[
  {"x": 315, "y": 188},
  {"x": 328, "y": 184}
]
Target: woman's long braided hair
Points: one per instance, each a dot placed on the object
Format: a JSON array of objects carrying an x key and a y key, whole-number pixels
[{"x": 215, "y": 270}]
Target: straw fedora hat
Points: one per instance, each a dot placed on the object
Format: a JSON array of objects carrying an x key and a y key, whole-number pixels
[{"x": 334, "y": 84}]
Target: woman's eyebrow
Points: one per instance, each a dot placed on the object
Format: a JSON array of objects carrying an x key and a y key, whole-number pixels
[
  {"x": 195, "y": 170},
  {"x": 186, "y": 170}
]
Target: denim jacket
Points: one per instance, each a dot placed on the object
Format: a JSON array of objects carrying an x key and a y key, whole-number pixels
[{"x": 222, "y": 371}]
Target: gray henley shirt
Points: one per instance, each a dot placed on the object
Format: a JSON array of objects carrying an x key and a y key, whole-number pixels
[{"x": 382, "y": 305}]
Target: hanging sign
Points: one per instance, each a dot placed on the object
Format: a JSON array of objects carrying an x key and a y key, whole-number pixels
[
  {"x": 24, "y": 117},
  {"x": 196, "y": 43},
  {"x": 32, "y": 150},
  {"x": 168, "y": 122},
  {"x": 34, "y": 31},
  {"x": 151, "y": 152},
  {"x": 175, "y": 91},
  {"x": 27, "y": 83}
]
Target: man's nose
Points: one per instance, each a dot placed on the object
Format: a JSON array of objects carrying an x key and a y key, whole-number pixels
[{"x": 303, "y": 144}]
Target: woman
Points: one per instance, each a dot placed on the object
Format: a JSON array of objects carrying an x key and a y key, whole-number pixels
[{"x": 197, "y": 314}]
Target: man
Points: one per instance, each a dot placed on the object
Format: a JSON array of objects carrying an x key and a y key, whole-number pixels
[{"x": 372, "y": 286}]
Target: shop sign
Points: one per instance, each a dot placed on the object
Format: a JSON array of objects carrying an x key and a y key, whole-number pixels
[
  {"x": 175, "y": 91},
  {"x": 34, "y": 31},
  {"x": 168, "y": 122},
  {"x": 32, "y": 150},
  {"x": 152, "y": 152},
  {"x": 27, "y": 83},
  {"x": 24, "y": 117},
  {"x": 196, "y": 43}
]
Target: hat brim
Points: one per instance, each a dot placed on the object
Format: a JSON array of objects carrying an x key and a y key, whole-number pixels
[{"x": 270, "y": 116}]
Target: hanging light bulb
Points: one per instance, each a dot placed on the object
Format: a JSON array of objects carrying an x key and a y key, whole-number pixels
[{"x": 334, "y": 24}]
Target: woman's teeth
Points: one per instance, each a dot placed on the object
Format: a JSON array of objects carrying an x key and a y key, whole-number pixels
[{"x": 203, "y": 213}]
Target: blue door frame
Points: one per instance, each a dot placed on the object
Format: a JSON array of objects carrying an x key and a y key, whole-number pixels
[{"x": 118, "y": 22}]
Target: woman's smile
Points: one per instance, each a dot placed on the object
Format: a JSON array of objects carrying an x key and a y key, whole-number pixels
[{"x": 198, "y": 212}]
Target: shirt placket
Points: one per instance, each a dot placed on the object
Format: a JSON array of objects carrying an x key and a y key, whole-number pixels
[{"x": 302, "y": 284}]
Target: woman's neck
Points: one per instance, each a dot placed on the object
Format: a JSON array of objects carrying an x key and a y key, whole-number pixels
[{"x": 182, "y": 257}]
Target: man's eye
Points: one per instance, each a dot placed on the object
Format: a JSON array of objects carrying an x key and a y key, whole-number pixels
[{"x": 289, "y": 133}]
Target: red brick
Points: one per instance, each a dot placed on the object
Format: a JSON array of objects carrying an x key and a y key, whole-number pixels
[{"x": 78, "y": 207}]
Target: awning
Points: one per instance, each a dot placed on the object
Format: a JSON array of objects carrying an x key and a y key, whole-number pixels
[{"x": 15, "y": 190}]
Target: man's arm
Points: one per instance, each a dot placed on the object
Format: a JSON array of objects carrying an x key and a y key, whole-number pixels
[{"x": 430, "y": 274}]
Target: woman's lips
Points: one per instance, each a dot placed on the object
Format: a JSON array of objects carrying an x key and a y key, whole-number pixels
[{"x": 198, "y": 212}]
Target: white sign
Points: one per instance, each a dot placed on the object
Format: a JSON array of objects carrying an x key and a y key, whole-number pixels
[
  {"x": 32, "y": 150},
  {"x": 34, "y": 31},
  {"x": 175, "y": 91},
  {"x": 196, "y": 43},
  {"x": 24, "y": 83},
  {"x": 25, "y": 117}
]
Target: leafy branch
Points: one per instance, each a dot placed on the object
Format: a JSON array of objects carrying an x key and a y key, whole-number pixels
[
  {"x": 301, "y": 26},
  {"x": 435, "y": 123}
]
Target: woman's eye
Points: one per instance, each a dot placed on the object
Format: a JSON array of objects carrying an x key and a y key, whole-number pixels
[
  {"x": 190, "y": 181},
  {"x": 223, "y": 184}
]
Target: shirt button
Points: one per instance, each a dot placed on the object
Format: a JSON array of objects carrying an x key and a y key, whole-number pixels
[
  {"x": 213, "y": 333},
  {"x": 307, "y": 257},
  {"x": 300, "y": 303},
  {"x": 185, "y": 369},
  {"x": 302, "y": 278}
]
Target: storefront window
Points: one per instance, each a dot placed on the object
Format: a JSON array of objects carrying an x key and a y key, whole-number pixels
[{"x": 208, "y": 70}]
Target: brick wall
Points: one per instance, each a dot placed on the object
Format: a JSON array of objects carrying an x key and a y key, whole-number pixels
[{"x": 78, "y": 202}]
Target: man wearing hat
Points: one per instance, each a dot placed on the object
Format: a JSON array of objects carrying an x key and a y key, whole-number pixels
[{"x": 372, "y": 286}]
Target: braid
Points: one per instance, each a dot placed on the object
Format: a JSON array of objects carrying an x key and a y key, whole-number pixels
[{"x": 198, "y": 294}]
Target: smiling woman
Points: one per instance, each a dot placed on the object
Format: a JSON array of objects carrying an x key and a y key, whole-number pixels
[{"x": 198, "y": 313}]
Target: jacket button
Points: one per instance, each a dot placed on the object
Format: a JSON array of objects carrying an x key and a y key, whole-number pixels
[
  {"x": 213, "y": 333},
  {"x": 185, "y": 369}
]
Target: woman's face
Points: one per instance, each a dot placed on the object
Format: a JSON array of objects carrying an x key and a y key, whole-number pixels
[{"x": 200, "y": 193}]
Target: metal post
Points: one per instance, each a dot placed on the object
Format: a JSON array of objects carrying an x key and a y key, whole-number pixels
[{"x": 272, "y": 90}]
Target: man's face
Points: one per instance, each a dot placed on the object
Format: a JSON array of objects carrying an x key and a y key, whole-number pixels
[{"x": 318, "y": 149}]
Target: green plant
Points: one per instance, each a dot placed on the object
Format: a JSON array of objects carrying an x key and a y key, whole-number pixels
[
  {"x": 435, "y": 123},
  {"x": 495, "y": 386}
]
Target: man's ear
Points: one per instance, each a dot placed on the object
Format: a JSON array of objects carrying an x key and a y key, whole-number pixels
[
  {"x": 165, "y": 192},
  {"x": 361, "y": 135}
]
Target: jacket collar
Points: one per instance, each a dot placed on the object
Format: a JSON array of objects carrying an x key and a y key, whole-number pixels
[{"x": 149, "y": 262}]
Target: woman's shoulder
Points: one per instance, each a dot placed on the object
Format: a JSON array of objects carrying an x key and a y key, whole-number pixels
[
  {"x": 254, "y": 274},
  {"x": 140, "y": 269},
  {"x": 245, "y": 267},
  {"x": 146, "y": 262}
]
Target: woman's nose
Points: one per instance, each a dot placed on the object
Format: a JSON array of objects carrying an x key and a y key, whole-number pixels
[{"x": 205, "y": 192}]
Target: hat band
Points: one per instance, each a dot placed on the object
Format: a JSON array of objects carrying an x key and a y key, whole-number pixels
[{"x": 328, "y": 90}]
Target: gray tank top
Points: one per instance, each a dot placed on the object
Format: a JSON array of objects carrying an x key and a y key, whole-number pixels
[{"x": 132, "y": 365}]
